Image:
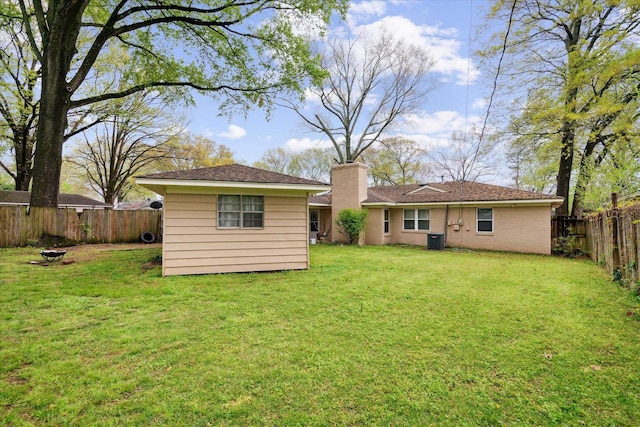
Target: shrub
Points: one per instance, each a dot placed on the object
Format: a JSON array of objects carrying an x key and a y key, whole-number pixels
[
  {"x": 568, "y": 247},
  {"x": 351, "y": 223}
]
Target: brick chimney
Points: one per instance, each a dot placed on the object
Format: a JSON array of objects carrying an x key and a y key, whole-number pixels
[{"x": 348, "y": 190}]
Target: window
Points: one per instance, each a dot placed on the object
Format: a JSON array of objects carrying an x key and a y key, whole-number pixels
[
  {"x": 314, "y": 221},
  {"x": 484, "y": 219},
  {"x": 240, "y": 211},
  {"x": 416, "y": 219},
  {"x": 387, "y": 227}
]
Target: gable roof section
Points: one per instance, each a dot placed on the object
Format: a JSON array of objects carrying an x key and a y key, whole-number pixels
[
  {"x": 231, "y": 176},
  {"x": 446, "y": 193},
  {"x": 22, "y": 198}
]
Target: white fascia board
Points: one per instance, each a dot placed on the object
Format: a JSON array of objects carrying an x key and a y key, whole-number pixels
[
  {"x": 230, "y": 184},
  {"x": 538, "y": 202},
  {"x": 385, "y": 204},
  {"x": 320, "y": 205}
]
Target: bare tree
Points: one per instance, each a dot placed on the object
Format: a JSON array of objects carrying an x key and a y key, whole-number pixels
[
  {"x": 466, "y": 159},
  {"x": 122, "y": 146},
  {"x": 373, "y": 82}
]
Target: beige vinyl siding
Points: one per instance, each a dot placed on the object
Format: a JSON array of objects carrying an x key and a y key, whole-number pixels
[{"x": 193, "y": 244}]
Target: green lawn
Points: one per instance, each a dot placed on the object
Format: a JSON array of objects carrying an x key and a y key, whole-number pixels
[{"x": 368, "y": 336}]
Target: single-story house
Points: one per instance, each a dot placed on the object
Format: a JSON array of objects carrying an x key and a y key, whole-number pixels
[
  {"x": 233, "y": 218},
  {"x": 76, "y": 201},
  {"x": 462, "y": 214}
]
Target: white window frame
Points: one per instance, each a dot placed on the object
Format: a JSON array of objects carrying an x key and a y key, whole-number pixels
[
  {"x": 241, "y": 213},
  {"x": 386, "y": 221},
  {"x": 484, "y": 220},
  {"x": 416, "y": 219}
]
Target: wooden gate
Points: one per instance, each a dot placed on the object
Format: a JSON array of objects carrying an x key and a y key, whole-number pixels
[{"x": 569, "y": 230}]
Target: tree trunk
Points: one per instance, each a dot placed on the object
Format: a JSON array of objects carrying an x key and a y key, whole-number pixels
[
  {"x": 59, "y": 47},
  {"x": 584, "y": 177},
  {"x": 52, "y": 122},
  {"x": 23, "y": 164},
  {"x": 565, "y": 167}
]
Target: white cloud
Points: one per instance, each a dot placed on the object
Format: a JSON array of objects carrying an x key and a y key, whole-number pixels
[
  {"x": 480, "y": 104},
  {"x": 365, "y": 10},
  {"x": 440, "y": 42},
  {"x": 297, "y": 144},
  {"x": 311, "y": 96},
  {"x": 233, "y": 132},
  {"x": 434, "y": 130}
]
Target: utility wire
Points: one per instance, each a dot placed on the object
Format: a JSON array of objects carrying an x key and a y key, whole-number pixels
[{"x": 495, "y": 79}]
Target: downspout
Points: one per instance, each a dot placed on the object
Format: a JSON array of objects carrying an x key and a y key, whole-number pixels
[{"x": 446, "y": 224}]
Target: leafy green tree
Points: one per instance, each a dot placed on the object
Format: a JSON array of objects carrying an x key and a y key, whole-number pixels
[
  {"x": 312, "y": 163},
  {"x": 187, "y": 151},
  {"x": 533, "y": 165},
  {"x": 276, "y": 160},
  {"x": 5, "y": 182},
  {"x": 351, "y": 223},
  {"x": 242, "y": 53},
  {"x": 398, "y": 161},
  {"x": 19, "y": 77},
  {"x": 574, "y": 68}
]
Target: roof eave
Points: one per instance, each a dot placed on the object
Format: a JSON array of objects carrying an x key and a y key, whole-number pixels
[
  {"x": 533, "y": 202},
  {"x": 155, "y": 183},
  {"x": 81, "y": 206}
]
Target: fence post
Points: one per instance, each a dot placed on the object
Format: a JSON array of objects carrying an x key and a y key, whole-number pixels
[{"x": 615, "y": 239}]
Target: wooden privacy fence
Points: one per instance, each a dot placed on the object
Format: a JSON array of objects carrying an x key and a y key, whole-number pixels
[
  {"x": 568, "y": 227},
  {"x": 612, "y": 238},
  {"x": 18, "y": 226}
]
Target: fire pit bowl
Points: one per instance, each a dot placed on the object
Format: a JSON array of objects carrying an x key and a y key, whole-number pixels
[{"x": 52, "y": 255}]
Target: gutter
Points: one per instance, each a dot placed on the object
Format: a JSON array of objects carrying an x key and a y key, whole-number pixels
[{"x": 534, "y": 202}]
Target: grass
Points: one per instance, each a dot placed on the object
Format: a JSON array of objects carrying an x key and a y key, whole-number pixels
[{"x": 374, "y": 336}]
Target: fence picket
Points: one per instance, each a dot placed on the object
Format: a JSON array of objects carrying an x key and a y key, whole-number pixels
[
  {"x": 613, "y": 238},
  {"x": 17, "y": 227}
]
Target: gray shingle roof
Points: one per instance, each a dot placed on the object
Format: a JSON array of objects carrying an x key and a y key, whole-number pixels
[
  {"x": 23, "y": 198},
  {"x": 233, "y": 173},
  {"x": 443, "y": 192}
]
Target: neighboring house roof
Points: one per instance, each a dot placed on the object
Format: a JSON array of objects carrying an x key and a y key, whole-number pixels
[
  {"x": 444, "y": 193},
  {"x": 230, "y": 176},
  {"x": 22, "y": 198}
]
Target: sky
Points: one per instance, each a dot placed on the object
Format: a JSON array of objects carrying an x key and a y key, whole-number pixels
[{"x": 445, "y": 27}]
